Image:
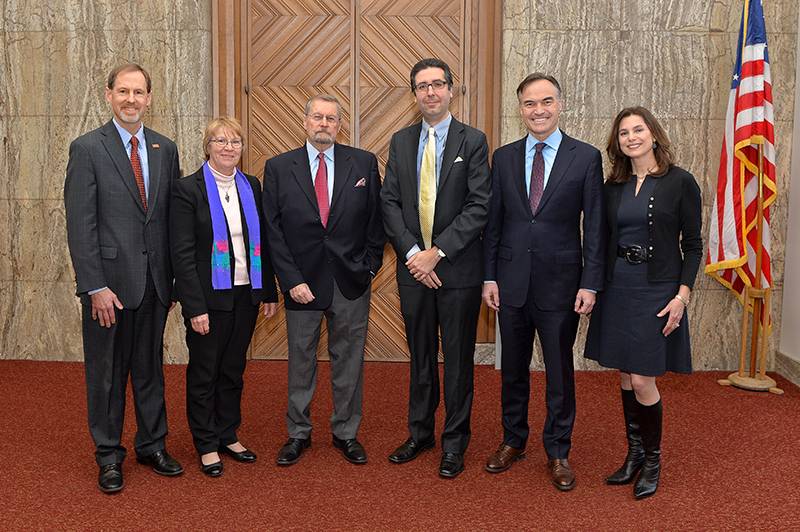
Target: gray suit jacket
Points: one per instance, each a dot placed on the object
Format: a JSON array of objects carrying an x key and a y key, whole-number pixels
[
  {"x": 112, "y": 240},
  {"x": 462, "y": 203}
]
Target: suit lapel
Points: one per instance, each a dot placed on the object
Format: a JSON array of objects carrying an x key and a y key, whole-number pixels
[
  {"x": 154, "y": 162},
  {"x": 518, "y": 173},
  {"x": 455, "y": 138},
  {"x": 301, "y": 171},
  {"x": 562, "y": 162},
  {"x": 343, "y": 167},
  {"x": 116, "y": 150},
  {"x": 409, "y": 161}
]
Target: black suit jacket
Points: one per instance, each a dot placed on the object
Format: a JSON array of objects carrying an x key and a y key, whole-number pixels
[
  {"x": 547, "y": 246},
  {"x": 462, "y": 203},
  {"x": 112, "y": 240},
  {"x": 191, "y": 237},
  {"x": 305, "y": 251}
]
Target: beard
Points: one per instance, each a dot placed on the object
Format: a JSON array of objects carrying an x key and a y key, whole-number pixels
[{"x": 322, "y": 137}]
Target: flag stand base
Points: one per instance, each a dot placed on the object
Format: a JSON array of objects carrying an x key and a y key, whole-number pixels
[
  {"x": 756, "y": 384},
  {"x": 756, "y": 381}
]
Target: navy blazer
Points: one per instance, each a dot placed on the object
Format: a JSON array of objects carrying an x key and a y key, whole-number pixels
[
  {"x": 112, "y": 240},
  {"x": 305, "y": 251},
  {"x": 192, "y": 236},
  {"x": 462, "y": 203},
  {"x": 547, "y": 247}
]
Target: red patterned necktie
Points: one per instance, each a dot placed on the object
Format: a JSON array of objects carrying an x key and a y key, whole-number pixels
[
  {"x": 321, "y": 189},
  {"x": 137, "y": 170},
  {"x": 537, "y": 178}
]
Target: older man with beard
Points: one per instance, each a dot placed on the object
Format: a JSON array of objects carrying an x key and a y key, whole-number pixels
[{"x": 325, "y": 233}]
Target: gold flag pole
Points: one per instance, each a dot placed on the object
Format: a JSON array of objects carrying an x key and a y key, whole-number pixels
[{"x": 756, "y": 381}]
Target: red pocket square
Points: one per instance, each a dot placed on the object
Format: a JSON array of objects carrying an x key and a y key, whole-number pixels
[{"x": 361, "y": 183}]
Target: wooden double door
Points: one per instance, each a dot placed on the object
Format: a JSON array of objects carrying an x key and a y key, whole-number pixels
[{"x": 273, "y": 55}]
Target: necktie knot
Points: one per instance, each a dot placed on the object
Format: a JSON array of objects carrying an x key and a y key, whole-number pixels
[
  {"x": 135, "y": 142},
  {"x": 540, "y": 146}
]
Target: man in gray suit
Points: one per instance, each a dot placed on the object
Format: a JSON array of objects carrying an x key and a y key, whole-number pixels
[
  {"x": 435, "y": 201},
  {"x": 116, "y": 196}
]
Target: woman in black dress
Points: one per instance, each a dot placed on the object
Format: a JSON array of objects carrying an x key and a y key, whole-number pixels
[{"x": 639, "y": 323}]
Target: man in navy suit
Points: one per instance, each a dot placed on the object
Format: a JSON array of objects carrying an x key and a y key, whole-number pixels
[
  {"x": 116, "y": 196},
  {"x": 536, "y": 265},
  {"x": 323, "y": 222},
  {"x": 439, "y": 271}
]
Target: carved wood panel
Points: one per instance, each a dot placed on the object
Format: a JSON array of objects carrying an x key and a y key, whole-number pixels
[{"x": 360, "y": 51}]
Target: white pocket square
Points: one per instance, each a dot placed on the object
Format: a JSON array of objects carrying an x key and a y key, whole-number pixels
[{"x": 458, "y": 160}]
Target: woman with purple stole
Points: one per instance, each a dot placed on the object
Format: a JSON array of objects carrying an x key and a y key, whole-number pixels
[{"x": 222, "y": 275}]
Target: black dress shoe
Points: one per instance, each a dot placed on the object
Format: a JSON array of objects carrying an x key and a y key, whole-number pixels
[
  {"x": 162, "y": 463},
  {"x": 410, "y": 450},
  {"x": 293, "y": 450},
  {"x": 110, "y": 478},
  {"x": 212, "y": 470},
  {"x": 352, "y": 450},
  {"x": 245, "y": 456},
  {"x": 452, "y": 465}
]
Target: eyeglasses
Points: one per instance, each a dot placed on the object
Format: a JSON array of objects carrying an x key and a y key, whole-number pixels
[
  {"x": 221, "y": 143},
  {"x": 437, "y": 86},
  {"x": 318, "y": 118}
]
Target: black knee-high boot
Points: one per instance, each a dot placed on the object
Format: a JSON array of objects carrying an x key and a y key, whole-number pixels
[
  {"x": 650, "y": 422},
  {"x": 633, "y": 462}
]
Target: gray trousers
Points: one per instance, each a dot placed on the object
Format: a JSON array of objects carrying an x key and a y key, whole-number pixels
[{"x": 347, "y": 322}]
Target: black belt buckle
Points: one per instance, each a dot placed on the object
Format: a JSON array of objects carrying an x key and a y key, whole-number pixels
[{"x": 635, "y": 255}]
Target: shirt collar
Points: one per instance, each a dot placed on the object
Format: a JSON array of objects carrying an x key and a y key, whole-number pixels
[
  {"x": 441, "y": 128},
  {"x": 125, "y": 135},
  {"x": 553, "y": 141},
  {"x": 312, "y": 152}
]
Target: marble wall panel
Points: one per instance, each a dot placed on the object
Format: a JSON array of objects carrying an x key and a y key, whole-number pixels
[
  {"x": 39, "y": 243},
  {"x": 40, "y": 321},
  {"x": 548, "y": 15},
  {"x": 139, "y": 15},
  {"x": 6, "y": 230},
  {"x": 667, "y": 15}
]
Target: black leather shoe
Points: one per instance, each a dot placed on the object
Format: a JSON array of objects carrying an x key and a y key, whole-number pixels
[
  {"x": 247, "y": 456},
  {"x": 293, "y": 450},
  {"x": 452, "y": 465},
  {"x": 110, "y": 479},
  {"x": 352, "y": 450},
  {"x": 410, "y": 450},
  {"x": 212, "y": 470},
  {"x": 162, "y": 463}
]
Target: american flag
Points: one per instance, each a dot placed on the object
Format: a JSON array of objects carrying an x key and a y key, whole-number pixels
[{"x": 732, "y": 242}]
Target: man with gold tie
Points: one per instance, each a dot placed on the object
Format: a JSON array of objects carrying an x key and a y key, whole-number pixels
[{"x": 435, "y": 201}]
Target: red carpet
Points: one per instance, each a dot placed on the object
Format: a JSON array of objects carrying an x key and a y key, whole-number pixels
[{"x": 731, "y": 462}]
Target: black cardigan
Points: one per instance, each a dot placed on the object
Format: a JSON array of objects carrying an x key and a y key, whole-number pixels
[{"x": 674, "y": 219}]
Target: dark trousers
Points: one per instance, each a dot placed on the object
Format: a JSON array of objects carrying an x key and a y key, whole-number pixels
[
  {"x": 133, "y": 345},
  {"x": 557, "y": 332},
  {"x": 455, "y": 312},
  {"x": 214, "y": 375},
  {"x": 347, "y": 322}
]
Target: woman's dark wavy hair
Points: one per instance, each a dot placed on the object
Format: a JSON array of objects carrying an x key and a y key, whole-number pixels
[{"x": 621, "y": 169}]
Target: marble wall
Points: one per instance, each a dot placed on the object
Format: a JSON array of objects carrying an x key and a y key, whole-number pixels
[
  {"x": 673, "y": 56},
  {"x": 676, "y": 58},
  {"x": 56, "y": 58}
]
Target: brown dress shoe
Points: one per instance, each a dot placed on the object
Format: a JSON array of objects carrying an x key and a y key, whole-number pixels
[
  {"x": 561, "y": 474},
  {"x": 502, "y": 459}
]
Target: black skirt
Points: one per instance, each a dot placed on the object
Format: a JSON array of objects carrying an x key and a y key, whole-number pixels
[{"x": 624, "y": 332}]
